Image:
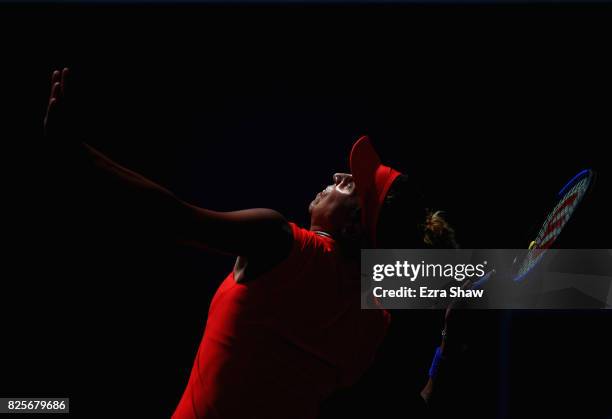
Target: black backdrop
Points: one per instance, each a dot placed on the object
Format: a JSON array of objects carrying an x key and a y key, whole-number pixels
[{"x": 491, "y": 107}]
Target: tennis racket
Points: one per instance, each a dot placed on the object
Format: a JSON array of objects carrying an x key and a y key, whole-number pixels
[{"x": 567, "y": 201}]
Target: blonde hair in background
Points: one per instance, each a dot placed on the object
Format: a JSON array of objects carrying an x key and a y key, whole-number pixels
[{"x": 436, "y": 230}]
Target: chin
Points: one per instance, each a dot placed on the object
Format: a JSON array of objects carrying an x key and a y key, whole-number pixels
[{"x": 313, "y": 204}]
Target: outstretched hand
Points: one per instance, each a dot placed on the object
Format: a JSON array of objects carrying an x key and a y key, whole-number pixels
[{"x": 59, "y": 122}]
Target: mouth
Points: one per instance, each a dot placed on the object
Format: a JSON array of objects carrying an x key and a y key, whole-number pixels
[
  {"x": 320, "y": 196},
  {"x": 325, "y": 191}
]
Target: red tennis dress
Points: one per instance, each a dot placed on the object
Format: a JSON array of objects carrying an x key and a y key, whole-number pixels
[{"x": 275, "y": 347}]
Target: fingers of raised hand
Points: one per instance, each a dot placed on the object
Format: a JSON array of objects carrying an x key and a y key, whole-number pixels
[
  {"x": 59, "y": 83},
  {"x": 64, "y": 81},
  {"x": 55, "y": 78}
]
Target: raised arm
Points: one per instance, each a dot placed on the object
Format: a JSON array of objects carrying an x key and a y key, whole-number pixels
[{"x": 252, "y": 232}]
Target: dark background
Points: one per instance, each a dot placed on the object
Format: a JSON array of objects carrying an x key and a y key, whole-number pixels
[{"x": 491, "y": 107}]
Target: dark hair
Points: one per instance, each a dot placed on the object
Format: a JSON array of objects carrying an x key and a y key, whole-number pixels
[{"x": 405, "y": 222}]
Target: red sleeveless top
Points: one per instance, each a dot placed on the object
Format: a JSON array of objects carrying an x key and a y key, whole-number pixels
[{"x": 276, "y": 346}]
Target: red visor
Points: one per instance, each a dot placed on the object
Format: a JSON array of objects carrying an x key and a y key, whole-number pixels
[{"x": 372, "y": 180}]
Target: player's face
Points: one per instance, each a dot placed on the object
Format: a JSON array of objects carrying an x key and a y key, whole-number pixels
[{"x": 332, "y": 207}]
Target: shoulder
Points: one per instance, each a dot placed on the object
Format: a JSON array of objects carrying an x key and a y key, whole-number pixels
[
  {"x": 306, "y": 251},
  {"x": 305, "y": 240},
  {"x": 264, "y": 231}
]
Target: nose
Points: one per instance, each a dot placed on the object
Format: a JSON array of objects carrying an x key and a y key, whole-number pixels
[{"x": 340, "y": 178}]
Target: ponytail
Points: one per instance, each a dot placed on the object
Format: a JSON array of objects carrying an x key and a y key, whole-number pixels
[{"x": 437, "y": 233}]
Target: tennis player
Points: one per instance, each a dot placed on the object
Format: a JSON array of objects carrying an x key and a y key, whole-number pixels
[{"x": 285, "y": 329}]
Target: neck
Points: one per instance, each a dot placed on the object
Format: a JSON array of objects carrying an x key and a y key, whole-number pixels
[{"x": 318, "y": 229}]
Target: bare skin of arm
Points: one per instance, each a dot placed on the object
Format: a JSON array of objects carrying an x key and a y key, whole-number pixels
[
  {"x": 428, "y": 393},
  {"x": 254, "y": 234}
]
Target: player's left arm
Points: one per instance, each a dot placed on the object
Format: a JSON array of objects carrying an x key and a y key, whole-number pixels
[{"x": 251, "y": 232}]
